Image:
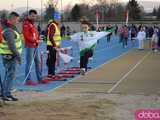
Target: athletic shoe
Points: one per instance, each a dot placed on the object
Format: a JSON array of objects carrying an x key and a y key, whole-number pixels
[
  {"x": 155, "y": 50},
  {"x": 9, "y": 98},
  {"x": 44, "y": 81},
  {"x": 30, "y": 83},
  {"x": 58, "y": 78},
  {"x": 82, "y": 71},
  {"x": 91, "y": 58},
  {"x": 5, "y": 99},
  {"x": 49, "y": 76},
  {"x": 12, "y": 98}
]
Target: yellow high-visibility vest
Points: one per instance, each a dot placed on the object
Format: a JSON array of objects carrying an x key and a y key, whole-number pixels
[
  {"x": 4, "y": 49},
  {"x": 56, "y": 37}
]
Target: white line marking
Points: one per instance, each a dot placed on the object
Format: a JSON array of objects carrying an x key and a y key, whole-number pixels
[
  {"x": 121, "y": 80},
  {"x": 116, "y": 58}
]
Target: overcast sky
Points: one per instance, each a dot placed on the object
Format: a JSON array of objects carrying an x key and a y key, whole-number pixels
[{"x": 13, "y": 4}]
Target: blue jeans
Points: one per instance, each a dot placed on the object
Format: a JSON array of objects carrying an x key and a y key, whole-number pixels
[
  {"x": 32, "y": 53},
  {"x": 10, "y": 72}
]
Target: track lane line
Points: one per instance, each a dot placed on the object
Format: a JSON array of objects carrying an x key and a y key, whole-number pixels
[{"x": 128, "y": 73}]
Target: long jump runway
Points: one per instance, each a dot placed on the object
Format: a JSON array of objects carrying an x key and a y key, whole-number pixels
[
  {"x": 136, "y": 72},
  {"x": 144, "y": 79}
]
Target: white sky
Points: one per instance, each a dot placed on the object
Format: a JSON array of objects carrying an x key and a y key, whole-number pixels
[{"x": 13, "y": 4}]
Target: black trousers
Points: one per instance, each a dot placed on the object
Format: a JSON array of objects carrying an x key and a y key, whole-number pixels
[
  {"x": 84, "y": 59},
  {"x": 133, "y": 35},
  {"x": 51, "y": 60}
]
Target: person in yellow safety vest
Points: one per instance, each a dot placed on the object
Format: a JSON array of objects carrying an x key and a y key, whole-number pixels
[
  {"x": 10, "y": 49},
  {"x": 53, "y": 42}
]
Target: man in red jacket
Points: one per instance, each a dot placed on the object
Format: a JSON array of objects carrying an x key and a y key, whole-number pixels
[{"x": 31, "y": 37}]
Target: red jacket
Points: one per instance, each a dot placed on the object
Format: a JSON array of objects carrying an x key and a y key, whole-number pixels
[{"x": 30, "y": 33}]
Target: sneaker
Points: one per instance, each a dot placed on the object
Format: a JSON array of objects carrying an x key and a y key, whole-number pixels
[
  {"x": 44, "y": 81},
  {"x": 30, "y": 83},
  {"x": 58, "y": 78},
  {"x": 82, "y": 71},
  {"x": 91, "y": 58},
  {"x": 155, "y": 50},
  {"x": 12, "y": 98},
  {"x": 49, "y": 76},
  {"x": 5, "y": 99}
]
